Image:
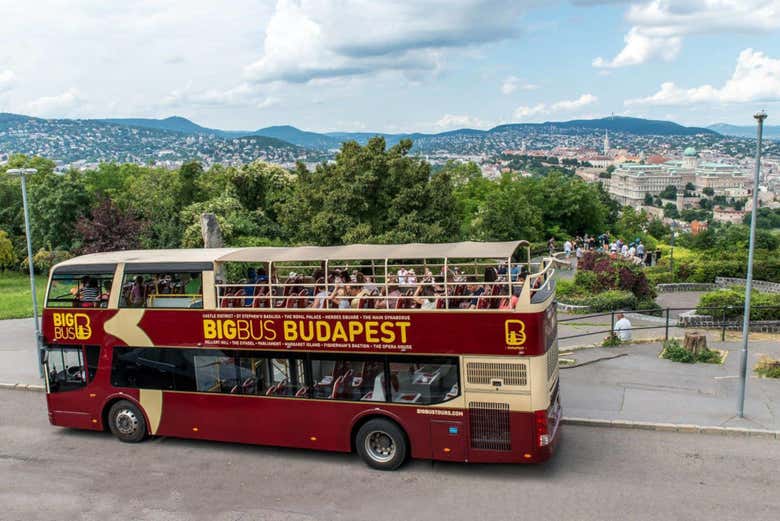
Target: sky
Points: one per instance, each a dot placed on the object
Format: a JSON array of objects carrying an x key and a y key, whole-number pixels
[{"x": 394, "y": 66}]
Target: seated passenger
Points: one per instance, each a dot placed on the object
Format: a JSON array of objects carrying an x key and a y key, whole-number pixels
[
  {"x": 320, "y": 295},
  {"x": 423, "y": 297},
  {"x": 339, "y": 298},
  {"x": 89, "y": 290},
  {"x": 251, "y": 278}
]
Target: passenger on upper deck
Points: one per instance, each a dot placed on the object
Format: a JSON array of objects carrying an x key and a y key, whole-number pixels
[{"x": 89, "y": 291}]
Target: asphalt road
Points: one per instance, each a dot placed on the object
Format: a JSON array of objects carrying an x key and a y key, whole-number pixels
[
  {"x": 52, "y": 473},
  {"x": 601, "y": 474}
]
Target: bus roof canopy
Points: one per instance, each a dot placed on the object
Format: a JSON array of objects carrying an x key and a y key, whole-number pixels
[{"x": 452, "y": 250}]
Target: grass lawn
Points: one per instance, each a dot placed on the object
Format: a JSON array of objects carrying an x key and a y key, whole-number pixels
[{"x": 15, "y": 299}]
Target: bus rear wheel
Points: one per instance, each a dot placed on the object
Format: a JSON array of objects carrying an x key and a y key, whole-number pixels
[
  {"x": 381, "y": 444},
  {"x": 127, "y": 422}
]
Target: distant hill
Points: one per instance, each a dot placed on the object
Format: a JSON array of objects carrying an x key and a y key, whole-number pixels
[
  {"x": 770, "y": 132},
  {"x": 637, "y": 126},
  {"x": 299, "y": 137},
  {"x": 136, "y": 141}
]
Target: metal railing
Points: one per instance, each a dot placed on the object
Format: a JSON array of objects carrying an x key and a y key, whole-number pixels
[{"x": 722, "y": 318}]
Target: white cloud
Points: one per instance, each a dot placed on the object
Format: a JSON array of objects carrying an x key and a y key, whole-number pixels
[
  {"x": 513, "y": 83},
  {"x": 309, "y": 39},
  {"x": 568, "y": 105},
  {"x": 659, "y": 26},
  {"x": 453, "y": 121},
  {"x": 58, "y": 105},
  {"x": 641, "y": 47},
  {"x": 7, "y": 80},
  {"x": 529, "y": 112},
  {"x": 755, "y": 78},
  {"x": 525, "y": 112}
]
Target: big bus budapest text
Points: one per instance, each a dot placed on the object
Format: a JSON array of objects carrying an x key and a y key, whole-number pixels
[{"x": 438, "y": 351}]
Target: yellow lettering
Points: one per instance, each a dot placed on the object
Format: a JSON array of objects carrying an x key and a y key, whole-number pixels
[
  {"x": 209, "y": 329},
  {"x": 307, "y": 330},
  {"x": 371, "y": 327},
  {"x": 269, "y": 329},
  {"x": 229, "y": 329},
  {"x": 402, "y": 326},
  {"x": 290, "y": 332},
  {"x": 388, "y": 333},
  {"x": 339, "y": 333},
  {"x": 323, "y": 331},
  {"x": 355, "y": 329},
  {"x": 57, "y": 319}
]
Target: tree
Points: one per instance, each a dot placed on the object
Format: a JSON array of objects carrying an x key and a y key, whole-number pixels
[
  {"x": 648, "y": 199},
  {"x": 670, "y": 210},
  {"x": 690, "y": 187},
  {"x": 708, "y": 191},
  {"x": 670, "y": 192},
  {"x": 108, "y": 228},
  {"x": 508, "y": 214},
  {"x": 610, "y": 169},
  {"x": 189, "y": 173},
  {"x": 7, "y": 255},
  {"x": 57, "y": 201}
]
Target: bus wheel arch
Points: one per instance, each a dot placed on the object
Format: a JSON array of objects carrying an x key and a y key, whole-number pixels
[
  {"x": 386, "y": 430},
  {"x": 131, "y": 410}
]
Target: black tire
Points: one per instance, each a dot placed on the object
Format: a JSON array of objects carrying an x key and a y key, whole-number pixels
[
  {"x": 127, "y": 422},
  {"x": 381, "y": 444}
]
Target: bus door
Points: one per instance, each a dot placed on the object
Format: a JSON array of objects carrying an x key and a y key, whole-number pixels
[{"x": 69, "y": 372}]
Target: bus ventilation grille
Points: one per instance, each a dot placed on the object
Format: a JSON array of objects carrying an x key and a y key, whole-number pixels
[
  {"x": 552, "y": 361},
  {"x": 483, "y": 373},
  {"x": 489, "y": 424}
]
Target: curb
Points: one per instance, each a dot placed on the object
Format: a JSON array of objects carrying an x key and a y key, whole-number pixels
[
  {"x": 22, "y": 387},
  {"x": 674, "y": 427}
]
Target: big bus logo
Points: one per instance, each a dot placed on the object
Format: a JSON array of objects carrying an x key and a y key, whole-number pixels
[
  {"x": 514, "y": 331},
  {"x": 71, "y": 326}
]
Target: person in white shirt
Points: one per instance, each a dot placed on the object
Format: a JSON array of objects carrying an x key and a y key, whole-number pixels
[
  {"x": 624, "y": 250},
  {"x": 632, "y": 251},
  {"x": 567, "y": 248},
  {"x": 622, "y": 328},
  {"x": 402, "y": 276}
]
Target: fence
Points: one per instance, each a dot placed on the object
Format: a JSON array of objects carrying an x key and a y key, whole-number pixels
[{"x": 721, "y": 318}]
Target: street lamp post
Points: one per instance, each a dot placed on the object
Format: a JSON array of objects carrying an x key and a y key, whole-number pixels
[
  {"x": 760, "y": 117},
  {"x": 671, "y": 247},
  {"x": 23, "y": 173}
]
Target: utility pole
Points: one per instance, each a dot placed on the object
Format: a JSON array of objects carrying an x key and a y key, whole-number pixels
[
  {"x": 23, "y": 173},
  {"x": 743, "y": 366}
]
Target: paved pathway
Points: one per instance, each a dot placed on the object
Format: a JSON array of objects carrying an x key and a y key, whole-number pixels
[{"x": 642, "y": 387}]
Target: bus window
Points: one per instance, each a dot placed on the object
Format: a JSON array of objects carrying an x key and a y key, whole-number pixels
[
  {"x": 423, "y": 380},
  {"x": 79, "y": 291},
  {"x": 347, "y": 379},
  {"x": 217, "y": 372},
  {"x": 286, "y": 377},
  {"x": 93, "y": 356},
  {"x": 65, "y": 369},
  {"x": 180, "y": 290}
]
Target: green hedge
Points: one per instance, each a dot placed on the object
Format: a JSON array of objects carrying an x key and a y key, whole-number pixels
[
  {"x": 734, "y": 300},
  {"x": 606, "y": 301}
]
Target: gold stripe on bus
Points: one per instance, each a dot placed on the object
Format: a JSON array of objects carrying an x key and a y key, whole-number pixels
[
  {"x": 124, "y": 326},
  {"x": 151, "y": 401}
]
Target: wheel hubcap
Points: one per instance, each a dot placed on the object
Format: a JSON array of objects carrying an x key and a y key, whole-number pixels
[
  {"x": 126, "y": 422},
  {"x": 380, "y": 446}
]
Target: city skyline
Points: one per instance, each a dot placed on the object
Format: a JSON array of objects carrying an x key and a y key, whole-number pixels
[{"x": 422, "y": 66}]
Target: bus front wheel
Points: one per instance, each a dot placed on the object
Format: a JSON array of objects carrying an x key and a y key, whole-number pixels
[
  {"x": 381, "y": 444},
  {"x": 127, "y": 422}
]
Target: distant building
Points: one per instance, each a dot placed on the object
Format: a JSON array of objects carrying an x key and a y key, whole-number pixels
[
  {"x": 631, "y": 182},
  {"x": 727, "y": 215},
  {"x": 698, "y": 226}
]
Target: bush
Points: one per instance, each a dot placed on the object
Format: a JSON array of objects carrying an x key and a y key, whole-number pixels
[
  {"x": 768, "y": 368},
  {"x": 733, "y": 299},
  {"x": 7, "y": 256},
  {"x": 44, "y": 259},
  {"x": 676, "y": 353},
  {"x": 605, "y": 301}
]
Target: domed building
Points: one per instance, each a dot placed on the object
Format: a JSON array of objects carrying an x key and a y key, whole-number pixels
[
  {"x": 690, "y": 159},
  {"x": 630, "y": 183}
]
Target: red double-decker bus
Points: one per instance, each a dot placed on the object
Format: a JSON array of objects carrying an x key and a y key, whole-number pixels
[{"x": 437, "y": 351}]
